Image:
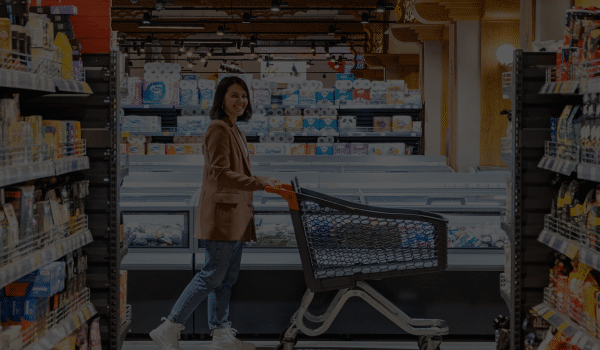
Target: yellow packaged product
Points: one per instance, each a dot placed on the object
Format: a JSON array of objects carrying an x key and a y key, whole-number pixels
[
  {"x": 576, "y": 281},
  {"x": 65, "y": 53},
  {"x": 56, "y": 128},
  {"x": 298, "y": 149},
  {"x": 590, "y": 290},
  {"x": 37, "y": 136}
]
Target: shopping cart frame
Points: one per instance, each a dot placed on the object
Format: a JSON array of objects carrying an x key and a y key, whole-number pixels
[{"x": 353, "y": 284}]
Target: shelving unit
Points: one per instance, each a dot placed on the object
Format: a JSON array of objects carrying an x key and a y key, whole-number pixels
[
  {"x": 533, "y": 237},
  {"x": 39, "y": 250}
]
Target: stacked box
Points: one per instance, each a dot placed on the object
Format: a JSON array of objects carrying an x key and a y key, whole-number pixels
[
  {"x": 44, "y": 282},
  {"x": 183, "y": 148},
  {"x": 59, "y": 136},
  {"x": 306, "y": 97},
  {"x": 328, "y": 123},
  {"x": 156, "y": 149},
  {"x": 402, "y": 123},
  {"x": 37, "y": 136},
  {"x": 324, "y": 149},
  {"x": 293, "y": 123},
  {"x": 141, "y": 123},
  {"x": 192, "y": 124},
  {"x": 311, "y": 124},
  {"x": 290, "y": 97},
  {"x": 298, "y": 149},
  {"x": 325, "y": 97},
  {"x": 21, "y": 199}
]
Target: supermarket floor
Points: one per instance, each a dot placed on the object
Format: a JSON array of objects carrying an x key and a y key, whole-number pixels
[{"x": 316, "y": 345}]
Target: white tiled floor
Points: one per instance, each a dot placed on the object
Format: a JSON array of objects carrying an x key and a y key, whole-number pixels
[{"x": 270, "y": 345}]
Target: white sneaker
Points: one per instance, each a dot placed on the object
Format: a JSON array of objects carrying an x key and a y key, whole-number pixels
[
  {"x": 224, "y": 339},
  {"x": 167, "y": 335}
]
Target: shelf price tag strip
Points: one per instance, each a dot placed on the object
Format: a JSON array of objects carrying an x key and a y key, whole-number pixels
[
  {"x": 559, "y": 243},
  {"x": 567, "y": 328},
  {"x": 29, "y": 264}
]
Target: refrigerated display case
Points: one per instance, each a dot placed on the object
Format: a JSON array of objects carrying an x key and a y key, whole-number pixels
[{"x": 271, "y": 273}]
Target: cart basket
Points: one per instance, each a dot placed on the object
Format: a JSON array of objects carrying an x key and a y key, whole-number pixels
[{"x": 342, "y": 242}]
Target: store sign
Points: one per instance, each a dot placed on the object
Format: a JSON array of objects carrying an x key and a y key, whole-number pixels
[{"x": 283, "y": 72}]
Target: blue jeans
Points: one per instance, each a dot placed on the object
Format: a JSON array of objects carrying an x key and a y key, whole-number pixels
[{"x": 220, "y": 271}]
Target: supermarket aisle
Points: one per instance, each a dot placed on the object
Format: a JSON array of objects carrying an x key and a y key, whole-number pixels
[{"x": 309, "y": 345}]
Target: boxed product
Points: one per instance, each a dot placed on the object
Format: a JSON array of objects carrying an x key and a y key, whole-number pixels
[
  {"x": 161, "y": 92},
  {"x": 259, "y": 123},
  {"x": 207, "y": 95},
  {"x": 298, "y": 149},
  {"x": 382, "y": 124},
  {"x": 272, "y": 149},
  {"x": 325, "y": 97},
  {"x": 395, "y": 149},
  {"x": 328, "y": 123},
  {"x": 63, "y": 47},
  {"x": 311, "y": 124},
  {"x": 360, "y": 149},
  {"x": 192, "y": 124},
  {"x": 251, "y": 148},
  {"x": 402, "y": 123},
  {"x": 10, "y": 224},
  {"x": 324, "y": 149},
  {"x": 135, "y": 86},
  {"x": 347, "y": 122},
  {"x": 417, "y": 126},
  {"x": 343, "y": 91},
  {"x": 156, "y": 149},
  {"x": 307, "y": 97},
  {"x": 188, "y": 92},
  {"x": 277, "y": 123},
  {"x": 21, "y": 199},
  {"x": 311, "y": 149},
  {"x": 342, "y": 149},
  {"x": 344, "y": 76},
  {"x": 183, "y": 148},
  {"x": 293, "y": 123},
  {"x": 138, "y": 150},
  {"x": 44, "y": 282},
  {"x": 290, "y": 97},
  {"x": 43, "y": 216},
  {"x": 141, "y": 123},
  {"x": 378, "y": 97}
]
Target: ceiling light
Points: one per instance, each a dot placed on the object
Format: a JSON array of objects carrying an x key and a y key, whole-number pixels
[
  {"x": 203, "y": 59},
  {"x": 146, "y": 18},
  {"x": 149, "y": 39},
  {"x": 181, "y": 47},
  {"x": 220, "y": 30},
  {"x": 253, "y": 40},
  {"x": 160, "y": 4},
  {"x": 275, "y": 5},
  {"x": 382, "y": 6},
  {"x": 260, "y": 58},
  {"x": 312, "y": 47},
  {"x": 189, "y": 53},
  {"x": 238, "y": 47},
  {"x": 332, "y": 59},
  {"x": 364, "y": 18},
  {"x": 210, "y": 52},
  {"x": 126, "y": 54},
  {"x": 246, "y": 17},
  {"x": 190, "y": 65}
]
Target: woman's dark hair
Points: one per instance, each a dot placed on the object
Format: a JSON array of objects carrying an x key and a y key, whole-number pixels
[{"x": 217, "y": 111}]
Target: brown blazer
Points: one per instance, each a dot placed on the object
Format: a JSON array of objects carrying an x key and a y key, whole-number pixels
[{"x": 226, "y": 212}]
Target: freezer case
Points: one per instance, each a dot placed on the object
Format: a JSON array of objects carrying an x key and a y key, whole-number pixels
[{"x": 158, "y": 211}]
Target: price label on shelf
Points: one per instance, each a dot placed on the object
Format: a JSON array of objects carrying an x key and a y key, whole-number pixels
[
  {"x": 548, "y": 314},
  {"x": 38, "y": 261},
  {"x": 583, "y": 84},
  {"x": 124, "y": 133},
  {"x": 59, "y": 250},
  {"x": 557, "y": 244},
  {"x": 562, "y": 327},
  {"x": 571, "y": 250},
  {"x": 557, "y": 88},
  {"x": 86, "y": 313},
  {"x": 565, "y": 87}
]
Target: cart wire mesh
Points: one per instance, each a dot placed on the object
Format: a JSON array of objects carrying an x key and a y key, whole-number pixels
[{"x": 341, "y": 242}]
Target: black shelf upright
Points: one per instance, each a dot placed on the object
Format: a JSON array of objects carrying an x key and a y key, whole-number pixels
[{"x": 531, "y": 191}]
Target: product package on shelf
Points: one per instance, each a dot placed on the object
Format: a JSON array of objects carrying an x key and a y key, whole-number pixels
[
  {"x": 260, "y": 123},
  {"x": 325, "y": 97},
  {"x": 382, "y": 124},
  {"x": 183, "y": 149},
  {"x": 272, "y": 149},
  {"x": 308, "y": 90},
  {"x": 293, "y": 123},
  {"x": 298, "y": 149},
  {"x": 378, "y": 92},
  {"x": 206, "y": 90},
  {"x": 44, "y": 282},
  {"x": 311, "y": 124},
  {"x": 277, "y": 123},
  {"x": 343, "y": 91},
  {"x": 395, "y": 92},
  {"x": 360, "y": 149},
  {"x": 21, "y": 199},
  {"x": 63, "y": 47},
  {"x": 324, "y": 149},
  {"x": 37, "y": 136},
  {"x": 289, "y": 97},
  {"x": 55, "y": 136},
  {"x": 188, "y": 92},
  {"x": 135, "y": 86},
  {"x": 362, "y": 91},
  {"x": 141, "y": 123},
  {"x": 261, "y": 92},
  {"x": 161, "y": 83},
  {"x": 402, "y": 123},
  {"x": 347, "y": 123},
  {"x": 18, "y": 139},
  {"x": 192, "y": 124},
  {"x": 342, "y": 149},
  {"x": 137, "y": 144}
]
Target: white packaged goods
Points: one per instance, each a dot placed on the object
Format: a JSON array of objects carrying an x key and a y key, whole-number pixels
[
  {"x": 261, "y": 92},
  {"x": 328, "y": 124},
  {"x": 276, "y": 123},
  {"x": 188, "y": 92},
  {"x": 325, "y": 97},
  {"x": 293, "y": 111},
  {"x": 156, "y": 149},
  {"x": 141, "y": 123},
  {"x": 342, "y": 149},
  {"x": 192, "y": 124},
  {"x": 289, "y": 97},
  {"x": 382, "y": 124},
  {"x": 306, "y": 97},
  {"x": 272, "y": 149},
  {"x": 276, "y": 111},
  {"x": 260, "y": 111},
  {"x": 417, "y": 126},
  {"x": 311, "y": 124},
  {"x": 402, "y": 123},
  {"x": 298, "y": 149},
  {"x": 161, "y": 83},
  {"x": 135, "y": 86},
  {"x": 183, "y": 148},
  {"x": 360, "y": 149},
  {"x": 260, "y": 123},
  {"x": 347, "y": 123},
  {"x": 312, "y": 112},
  {"x": 293, "y": 123}
]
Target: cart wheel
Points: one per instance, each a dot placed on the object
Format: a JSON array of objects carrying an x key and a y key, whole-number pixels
[{"x": 428, "y": 342}]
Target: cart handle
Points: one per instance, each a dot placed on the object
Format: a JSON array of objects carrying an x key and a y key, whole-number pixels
[{"x": 287, "y": 193}]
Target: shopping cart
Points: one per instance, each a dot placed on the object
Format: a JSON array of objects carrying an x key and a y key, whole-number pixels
[{"x": 343, "y": 243}]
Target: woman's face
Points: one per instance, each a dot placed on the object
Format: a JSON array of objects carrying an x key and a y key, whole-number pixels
[{"x": 236, "y": 101}]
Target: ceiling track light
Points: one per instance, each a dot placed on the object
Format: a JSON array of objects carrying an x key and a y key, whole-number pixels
[
  {"x": 246, "y": 17},
  {"x": 149, "y": 39},
  {"x": 332, "y": 30},
  {"x": 160, "y": 5},
  {"x": 382, "y": 6},
  {"x": 365, "y": 18},
  {"x": 146, "y": 18},
  {"x": 343, "y": 40},
  {"x": 253, "y": 40},
  {"x": 220, "y": 30},
  {"x": 238, "y": 47},
  {"x": 210, "y": 52}
]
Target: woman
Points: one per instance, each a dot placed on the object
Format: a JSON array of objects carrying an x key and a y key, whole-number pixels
[{"x": 225, "y": 220}]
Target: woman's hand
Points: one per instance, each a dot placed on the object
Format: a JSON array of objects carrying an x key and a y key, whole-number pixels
[{"x": 273, "y": 182}]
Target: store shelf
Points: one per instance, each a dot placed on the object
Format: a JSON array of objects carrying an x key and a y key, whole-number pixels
[
  {"x": 64, "y": 328},
  {"x": 31, "y": 171},
  {"x": 559, "y": 243},
  {"x": 284, "y": 133},
  {"x": 568, "y": 328},
  {"x": 125, "y": 329},
  {"x": 505, "y": 290},
  {"x": 16, "y": 79},
  {"x": 44, "y": 256},
  {"x": 506, "y": 227},
  {"x": 379, "y": 106},
  {"x": 557, "y": 165},
  {"x": 66, "y": 85},
  {"x": 407, "y": 106},
  {"x": 71, "y": 164}
]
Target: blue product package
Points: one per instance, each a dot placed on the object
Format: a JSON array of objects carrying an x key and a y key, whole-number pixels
[
  {"x": 324, "y": 149},
  {"x": 343, "y": 96},
  {"x": 188, "y": 77},
  {"x": 207, "y": 95},
  {"x": 344, "y": 76},
  {"x": 553, "y": 127},
  {"x": 311, "y": 124},
  {"x": 44, "y": 282},
  {"x": 154, "y": 93},
  {"x": 325, "y": 97},
  {"x": 188, "y": 97}
]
